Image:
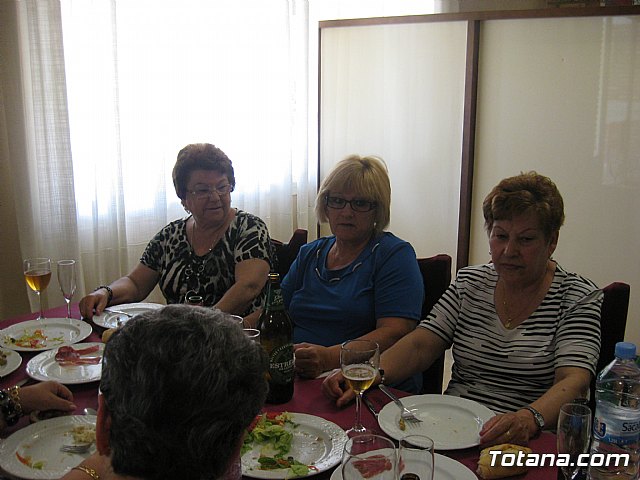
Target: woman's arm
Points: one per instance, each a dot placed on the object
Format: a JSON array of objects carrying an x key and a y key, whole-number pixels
[
  {"x": 251, "y": 277},
  {"x": 519, "y": 427},
  {"x": 134, "y": 287},
  {"x": 411, "y": 354},
  {"x": 312, "y": 360}
]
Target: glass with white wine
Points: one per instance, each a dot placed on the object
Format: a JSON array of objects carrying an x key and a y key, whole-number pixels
[
  {"x": 67, "y": 281},
  {"x": 37, "y": 273},
  {"x": 359, "y": 362}
]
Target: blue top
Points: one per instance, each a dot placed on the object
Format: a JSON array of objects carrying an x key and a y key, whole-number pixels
[{"x": 328, "y": 307}]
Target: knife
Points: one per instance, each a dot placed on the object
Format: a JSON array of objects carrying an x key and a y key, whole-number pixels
[{"x": 367, "y": 401}]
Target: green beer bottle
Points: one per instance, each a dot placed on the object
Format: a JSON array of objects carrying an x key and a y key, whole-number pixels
[{"x": 276, "y": 337}]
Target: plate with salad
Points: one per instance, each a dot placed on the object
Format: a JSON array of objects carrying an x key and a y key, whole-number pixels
[
  {"x": 40, "y": 335},
  {"x": 283, "y": 445}
]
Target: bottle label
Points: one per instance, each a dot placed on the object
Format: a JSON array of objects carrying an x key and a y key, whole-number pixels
[
  {"x": 629, "y": 433},
  {"x": 281, "y": 364}
]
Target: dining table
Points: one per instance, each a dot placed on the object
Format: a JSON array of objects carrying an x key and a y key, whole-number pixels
[{"x": 308, "y": 399}]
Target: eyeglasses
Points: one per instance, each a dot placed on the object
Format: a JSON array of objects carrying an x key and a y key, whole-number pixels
[
  {"x": 205, "y": 192},
  {"x": 357, "y": 205}
]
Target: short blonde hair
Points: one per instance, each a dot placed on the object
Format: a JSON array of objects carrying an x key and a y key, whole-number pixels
[{"x": 366, "y": 177}]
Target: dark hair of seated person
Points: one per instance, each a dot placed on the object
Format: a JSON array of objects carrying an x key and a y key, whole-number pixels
[{"x": 181, "y": 385}]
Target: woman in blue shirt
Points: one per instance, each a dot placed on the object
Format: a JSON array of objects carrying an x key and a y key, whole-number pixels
[{"x": 360, "y": 282}]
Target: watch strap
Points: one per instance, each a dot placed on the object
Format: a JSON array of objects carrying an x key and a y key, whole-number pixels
[{"x": 537, "y": 417}]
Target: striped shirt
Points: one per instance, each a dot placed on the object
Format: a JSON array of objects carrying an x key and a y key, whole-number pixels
[{"x": 508, "y": 369}]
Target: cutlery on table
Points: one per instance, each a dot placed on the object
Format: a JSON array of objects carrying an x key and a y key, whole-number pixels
[
  {"x": 367, "y": 401},
  {"x": 78, "y": 448},
  {"x": 405, "y": 414},
  {"x": 118, "y": 312}
]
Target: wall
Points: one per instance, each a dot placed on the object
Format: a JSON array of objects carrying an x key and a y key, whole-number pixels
[{"x": 558, "y": 95}]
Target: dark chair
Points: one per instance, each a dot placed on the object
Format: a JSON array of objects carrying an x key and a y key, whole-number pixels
[
  {"x": 436, "y": 275},
  {"x": 613, "y": 322},
  {"x": 286, "y": 253}
]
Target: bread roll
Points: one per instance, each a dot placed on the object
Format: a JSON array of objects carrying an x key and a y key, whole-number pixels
[
  {"x": 488, "y": 472},
  {"x": 106, "y": 335}
]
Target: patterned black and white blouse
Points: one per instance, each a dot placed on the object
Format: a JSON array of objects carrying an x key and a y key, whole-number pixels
[
  {"x": 182, "y": 271},
  {"x": 508, "y": 369}
]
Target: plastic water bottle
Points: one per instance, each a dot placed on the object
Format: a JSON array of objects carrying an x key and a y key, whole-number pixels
[{"x": 616, "y": 426}]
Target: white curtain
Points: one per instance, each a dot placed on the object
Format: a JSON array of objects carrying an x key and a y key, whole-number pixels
[{"x": 116, "y": 88}]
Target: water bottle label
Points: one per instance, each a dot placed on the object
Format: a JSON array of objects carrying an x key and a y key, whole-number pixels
[{"x": 629, "y": 433}]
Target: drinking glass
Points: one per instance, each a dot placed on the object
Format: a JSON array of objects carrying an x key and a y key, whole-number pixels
[
  {"x": 359, "y": 361},
  {"x": 238, "y": 319},
  {"x": 369, "y": 456},
  {"x": 37, "y": 272},
  {"x": 416, "y": 458},
  {"x": 195, "y": 300},
  {"x": 67, "y": 281},
  {"x": 574, "y": 435},
  {"x": 253, "y": 334}
]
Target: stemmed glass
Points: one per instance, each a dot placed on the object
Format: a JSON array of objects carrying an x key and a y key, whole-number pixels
[
  {"x": 574, "y": 435},
  {"x": 369, "y": 456},
  {"x": 37, "y": 272},
  {"x": 359, "y": 361},
  {"x": 67, "y": 281}
]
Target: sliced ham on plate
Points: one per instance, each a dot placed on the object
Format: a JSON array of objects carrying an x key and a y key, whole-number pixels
[{"x": 67, "y": 356}]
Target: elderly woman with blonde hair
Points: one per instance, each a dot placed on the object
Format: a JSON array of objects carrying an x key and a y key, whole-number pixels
[{"x": 359, "y": 282}]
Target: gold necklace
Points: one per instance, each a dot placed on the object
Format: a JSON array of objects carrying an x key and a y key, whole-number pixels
[{"x": 512, "y": 318}]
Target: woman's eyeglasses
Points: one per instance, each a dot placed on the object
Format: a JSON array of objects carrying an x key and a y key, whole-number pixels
[
  {"x": 356, "y": 204},
  {"x": 205, "y": 192}
]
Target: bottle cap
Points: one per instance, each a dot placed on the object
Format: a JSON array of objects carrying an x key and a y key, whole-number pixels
[{"x": 625, "y": 350}]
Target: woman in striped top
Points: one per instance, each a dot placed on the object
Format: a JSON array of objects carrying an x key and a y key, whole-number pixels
[{"x": 524, "y": 333}]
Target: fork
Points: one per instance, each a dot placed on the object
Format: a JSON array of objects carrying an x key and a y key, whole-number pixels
[
  {"x": 118, "y": 312},
  {"x": 78, "y": 448},
  {"x": 406, "y": 415}
]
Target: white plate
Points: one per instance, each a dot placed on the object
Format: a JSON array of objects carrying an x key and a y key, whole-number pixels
[
  {"x": 110, "y": 319},
  {"x": 59, "y": 332},
  {"x": 452, "y": 422},
  {"x": 42, "y": 441},
  {"x": 44, "y": 367},
  {"x": 446, "y": 469},
  {"x": 14, "y": 360},
  {"x": 316, "y": 441}
]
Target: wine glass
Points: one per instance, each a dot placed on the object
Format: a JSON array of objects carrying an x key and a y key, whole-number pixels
[
  {"x": 359, "y": 361},
  {"x": 37, "y": 272},
  {"x": 574, "y": 435},
  {"x": 369, "y": 456},
  {"x": 67, "y": 281},
  {"x": 416, "y": 458}
]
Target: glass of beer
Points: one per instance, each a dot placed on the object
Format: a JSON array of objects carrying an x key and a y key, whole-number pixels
[
  {"x": 37, "y": 272},
  {"x": 359, "y": 362}
]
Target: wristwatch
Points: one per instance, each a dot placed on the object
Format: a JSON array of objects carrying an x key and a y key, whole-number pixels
[{"x": 537, "y": 417}]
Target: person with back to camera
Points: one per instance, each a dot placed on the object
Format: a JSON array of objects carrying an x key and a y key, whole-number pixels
[
  {"x": 218, "y": 253},
  {"x": 360, "y": 282},
  {"x": 179, "y": 387},
  {"x": 525, "y": 333}
]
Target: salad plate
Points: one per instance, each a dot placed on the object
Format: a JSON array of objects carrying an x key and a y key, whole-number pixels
[
  {"x": 33, "y": 452},
  {"x": 446, "y": 469},
  {"x": 316, "y": 442},
  {"x": 111, "y": 319},
  {"x": 39, "y": 335},
  {"x": 452, "y": 422},
  {"x": 12, "y": 361},
  {"x": 44, "y": 367}
]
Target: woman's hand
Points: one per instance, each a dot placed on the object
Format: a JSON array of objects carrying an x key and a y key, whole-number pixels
[
  {"x": 334, "y": 387},
  {"x": 507, "y": 428},
  {"x": 311, "y": 360},
  {"x": 46, "y": 396},
  {"x": 95, "y": 301}
]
